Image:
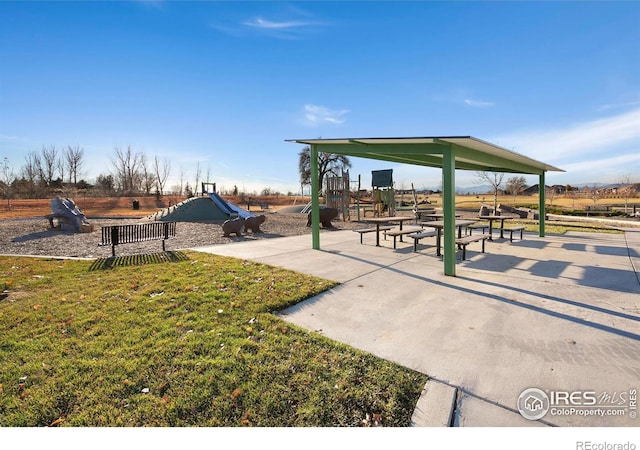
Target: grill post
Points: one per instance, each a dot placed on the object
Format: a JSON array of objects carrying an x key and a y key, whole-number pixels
[
  {"x": 165, "y": 229},
  {"x": 115, "y": 239}
]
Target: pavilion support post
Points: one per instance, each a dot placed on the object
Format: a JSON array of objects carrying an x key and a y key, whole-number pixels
[
  {"x": 315, "y": 198},
  {"x": 449, "y": 210},
  {"x": 541, "y": 204}
]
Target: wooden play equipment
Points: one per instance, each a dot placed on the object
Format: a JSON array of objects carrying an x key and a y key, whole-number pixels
[
  {"x": 383, "y": 193},
  {"x": 338, "y": 194}
]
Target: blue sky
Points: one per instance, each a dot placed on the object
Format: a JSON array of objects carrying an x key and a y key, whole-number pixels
[{"x": 225, "y": 83}]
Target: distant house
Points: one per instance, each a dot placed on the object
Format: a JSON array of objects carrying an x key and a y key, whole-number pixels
[{"x": 535, "y": 189}]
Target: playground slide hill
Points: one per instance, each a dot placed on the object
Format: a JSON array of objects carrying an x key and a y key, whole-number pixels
[
  {"x": 195, "y": 209},
  {"x": 229, "y": 208}
]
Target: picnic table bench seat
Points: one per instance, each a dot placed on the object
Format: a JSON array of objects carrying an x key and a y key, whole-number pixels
[
  {"x": 372, "y": 230},
  {"x": 477, "y": 226},
  {"x": 519, "y": 228},
  {"x": 466, "y": 240},
  {"x": 139, "y": 232},
  {"x": 397, "y": 232},
  {"x": 419, "y": 235}
]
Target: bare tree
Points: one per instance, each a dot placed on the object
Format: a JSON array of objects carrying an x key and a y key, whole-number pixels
[
  {"x": 207, "y": 174},
  {"x": 127, "y": 169},
  {"x": 494, "y": 179},
  {"x": 181, "y": 178},
  {"x": 73, "y": 158},
  {"x": 516, "y": 185},
  {"x": 148, "y": 177},
  {"x": 6, "y": 179},
  {"x": 595, "y": 194},
  {"x": 49, "y": 163},
  {"x": 570, "y": 192},
  {"x": 626, "y": 189},
  {"x": 550, "y": 194},
  {"x": 328, "y": 163},
  {"x": 61, "y": 169},
  {"x": 162, "y": 170},
  {"x": 198, "y": 175},
  {"x": 31, "y": 171},
  {"x": 105, "y": 183}
]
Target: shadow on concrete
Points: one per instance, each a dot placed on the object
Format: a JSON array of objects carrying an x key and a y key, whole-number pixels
[
  {"x": 591, "y": 276},
  {"x": 615, "y": 251},
  {"x": 574, "y": 247},
  {"x": 253, "y": 236},
  {"x": 528, "y": 244},
  {"x": 490, "y": 263},
  {"x": 550, "y": 268},
  {"x": 482, "y": 292},
  {"x": 138, "y": 260},
  {"x": 606, "y": 278}
]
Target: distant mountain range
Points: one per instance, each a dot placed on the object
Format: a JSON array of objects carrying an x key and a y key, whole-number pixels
[{"x": 482, "y": 189}]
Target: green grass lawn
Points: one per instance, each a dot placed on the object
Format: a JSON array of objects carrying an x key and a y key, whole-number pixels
[{"x": 187, "y": 339}]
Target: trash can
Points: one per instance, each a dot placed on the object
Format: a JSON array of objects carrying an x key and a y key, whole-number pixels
[{"x": 136, "y": 204}]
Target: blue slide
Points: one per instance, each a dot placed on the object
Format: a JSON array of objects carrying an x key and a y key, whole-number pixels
[{"x": 228, "y": 208}]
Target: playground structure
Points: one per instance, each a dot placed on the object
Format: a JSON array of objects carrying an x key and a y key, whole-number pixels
[
  {"x": 339, "y": 194},
  {"x": 346, "y": 196},
  {"x": 68, "y": 216},
  {"x": 209, "y": 206},
  {"x": 383, "y": 192},
  {"x": 380, "y": 200}
]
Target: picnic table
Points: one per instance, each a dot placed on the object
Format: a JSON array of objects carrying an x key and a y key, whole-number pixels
[
  {"x": 384, "y": 220},
  {"x": 436, "y": 216},
  {"x": 439, "y": 225},
  {"x": 492, "y": 217}
]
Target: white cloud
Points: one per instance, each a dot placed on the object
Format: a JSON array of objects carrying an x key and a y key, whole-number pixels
[
  {"x": 259, "y": 22},
  {"x": 599, "y": 150},
  {"x": 289, "y": 23},
  {"x": 609, "y": 106},
  {"x": 608, "y": 135},
  {"x": 318, "y": 115},
  {"x": 478, "y": 103},
  {"x": 605, "y": 170},
  {"x": 293, "y": 25}
]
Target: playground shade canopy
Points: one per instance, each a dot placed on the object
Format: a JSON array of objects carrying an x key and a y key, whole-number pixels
[
  {"x": 470, "y": 153},
  {"x": 447, "y": 152}
]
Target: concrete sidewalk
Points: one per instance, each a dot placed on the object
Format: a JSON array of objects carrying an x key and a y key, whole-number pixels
[{"x": 560, "y": 313}]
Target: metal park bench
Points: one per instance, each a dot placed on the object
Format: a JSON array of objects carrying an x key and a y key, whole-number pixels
[
  {"x": 262, "y": 205},
  {"x": 128, "y": 234}
]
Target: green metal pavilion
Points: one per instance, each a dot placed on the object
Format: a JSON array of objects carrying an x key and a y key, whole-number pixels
[{"x": 448, "y": 152}]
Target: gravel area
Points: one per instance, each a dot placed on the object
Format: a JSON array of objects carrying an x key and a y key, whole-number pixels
[{"x": 35, "y": 237}]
